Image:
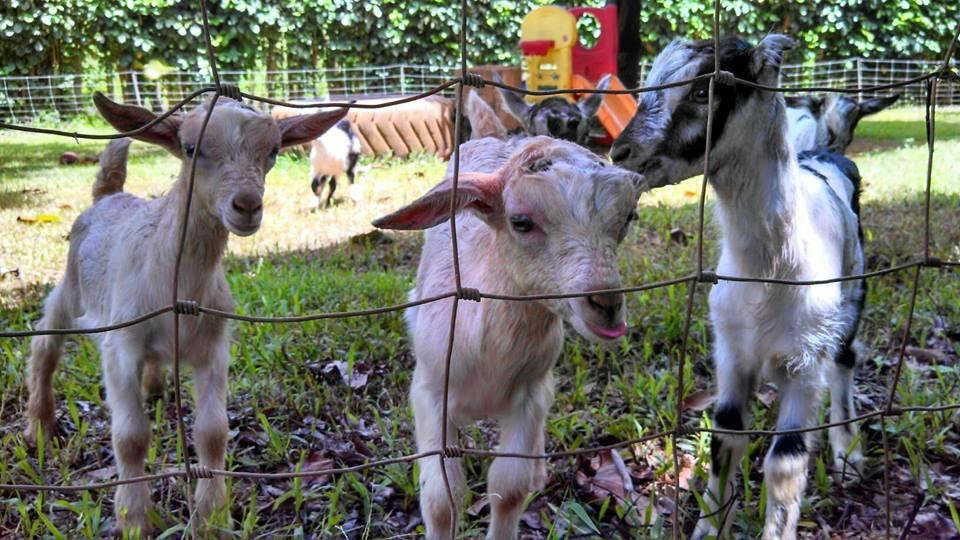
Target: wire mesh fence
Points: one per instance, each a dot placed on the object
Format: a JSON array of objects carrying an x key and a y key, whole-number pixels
[
  {"x": 63, "y": 96},
  {"x": 882, "y": 79}
]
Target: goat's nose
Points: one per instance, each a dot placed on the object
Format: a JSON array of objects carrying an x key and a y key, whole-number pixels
[
  {"x": 621, "y": 151},
  {"x": 606, "y": 303},
  {"x": 247, "y": 203}
]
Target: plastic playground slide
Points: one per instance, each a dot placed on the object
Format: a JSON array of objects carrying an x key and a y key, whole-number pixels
[{"x": 616, "y": 110}]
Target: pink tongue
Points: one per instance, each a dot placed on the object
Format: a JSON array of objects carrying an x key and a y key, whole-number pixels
[{"x": 611, "y": 333}]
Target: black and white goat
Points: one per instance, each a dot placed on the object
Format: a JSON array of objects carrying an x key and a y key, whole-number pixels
[
  {"x": 816, "y": 122},
  {"x": 332, "y": 154},
  {"x": 555, "y": 116},
  {"x": 780, "y": 217}
]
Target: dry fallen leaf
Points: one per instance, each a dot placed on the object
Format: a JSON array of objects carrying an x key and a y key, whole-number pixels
[
  {"x": 40, "y": 218},
  {"x": 698, "y": 401},
  {"x": 316, "y": 461}
]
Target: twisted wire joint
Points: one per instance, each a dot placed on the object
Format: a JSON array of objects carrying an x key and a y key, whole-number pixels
[{"x": 187, "y": 307}]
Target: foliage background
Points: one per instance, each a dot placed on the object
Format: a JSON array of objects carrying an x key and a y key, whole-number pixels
[{"x": 72, "y": 36}]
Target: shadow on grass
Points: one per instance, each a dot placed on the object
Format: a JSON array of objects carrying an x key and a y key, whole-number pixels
[
  {"x": 20, "y": 198},
  {"x": 894, "y": 235},
  {"x": 20, "y": 158}
]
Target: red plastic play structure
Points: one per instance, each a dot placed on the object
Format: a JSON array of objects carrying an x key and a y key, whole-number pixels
[{"x": 600, "y": 59}]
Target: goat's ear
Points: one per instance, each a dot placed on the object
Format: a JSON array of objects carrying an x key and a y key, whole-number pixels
[
  {"x": 875, "y": 105},
  {"x": 484, "y": 122},
  {"x": 514, "y": 103},
  {"x": 767, "y": 56},
  {"x": 482, "y": 192},
  {"x": 130, "y": 117},
  {"x": 307, "y": 127},
  {"x": 591, "y": 103}
]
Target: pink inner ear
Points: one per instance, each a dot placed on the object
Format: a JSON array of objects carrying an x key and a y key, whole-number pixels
[
  {"x": 480, "y": 191},
  {"x": 490, "y": 185}
]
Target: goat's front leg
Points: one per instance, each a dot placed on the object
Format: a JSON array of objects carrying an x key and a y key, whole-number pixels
[
  {"x": 130, "y": 427},
  {"x": 785, "y": 467},
  {"x": 210, "y": 427},
  {"x": 511, "y": 479},
  {"x": 435, "y": 509},
  {"x": 734, "y": 386},
  {"x": 846, "y": 447}
]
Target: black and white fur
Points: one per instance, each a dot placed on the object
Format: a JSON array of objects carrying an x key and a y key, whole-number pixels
[
  {"x": 555, "y": 116},
  {"x": 829, "y": 121},
  {"x": 780, "y": 217},
  {"x": 332, "y": 154}
]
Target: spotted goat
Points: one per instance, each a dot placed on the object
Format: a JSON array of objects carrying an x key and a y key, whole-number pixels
[
  {"x": 555, "y": 116},
  {"x": 779, "y": 217},
  {"x": 828, "y": 122}
]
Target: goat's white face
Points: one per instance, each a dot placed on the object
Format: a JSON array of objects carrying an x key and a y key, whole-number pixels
[
  {"x": 559, "y": 213},
  {"x": 666, "y": 139},
  {"x": 238, "y": 148}
]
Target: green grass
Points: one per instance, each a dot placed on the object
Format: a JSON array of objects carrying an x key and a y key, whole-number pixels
[{"x": 288, "y": 409}]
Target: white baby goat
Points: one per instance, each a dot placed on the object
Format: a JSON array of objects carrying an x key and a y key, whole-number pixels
[
  {"x": 544, "y": 216},
  {"x": 779, "y": 218},
  {"x": 121, "y": 264}
]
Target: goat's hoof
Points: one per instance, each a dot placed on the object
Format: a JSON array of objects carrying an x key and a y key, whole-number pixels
[
  {"x": 705, "y": 531},
  {"x": 47, "y": 428},
  {"x": 849, "y": 468}
]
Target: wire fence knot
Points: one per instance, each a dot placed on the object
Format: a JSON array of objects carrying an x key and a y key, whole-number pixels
[
  {"x": 948, "y": 73},
  {"x": 473, "y": 79},
  {"x": 469, "y": 293},
  {"x": 707, "y": 276},
  {"x": 231, "y": 91},
  {"x": 686, "y": 430},
  {"x": 725, "y": 78},
  {"x": 187, "y": 307},
  {"x": 452, "y": 452},
  {"x": 932, "y": 262},
  {"x": 199, "y": 471}
]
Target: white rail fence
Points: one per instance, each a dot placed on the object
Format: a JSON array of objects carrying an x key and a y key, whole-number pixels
[{"x": 31, "y": 98}]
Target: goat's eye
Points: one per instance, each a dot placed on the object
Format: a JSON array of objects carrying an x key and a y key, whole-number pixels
[
  {"x": 189, "y": 149},
  {"x": 521, "y": 223},
  {"x": 700, "y": 95}
]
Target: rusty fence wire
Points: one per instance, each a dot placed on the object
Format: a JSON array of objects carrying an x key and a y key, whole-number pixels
[{"x": 691, "y": 280}]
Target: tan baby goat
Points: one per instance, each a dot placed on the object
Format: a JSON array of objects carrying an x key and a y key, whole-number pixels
[{"x": 121, "y": 265}]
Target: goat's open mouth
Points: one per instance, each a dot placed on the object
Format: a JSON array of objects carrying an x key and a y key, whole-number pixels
[
  {"x": 241, "y": 230},
  {"x": 611, "y": 333}
]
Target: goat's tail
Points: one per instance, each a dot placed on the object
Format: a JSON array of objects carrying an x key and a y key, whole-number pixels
[{"x": 113, "y": 169}]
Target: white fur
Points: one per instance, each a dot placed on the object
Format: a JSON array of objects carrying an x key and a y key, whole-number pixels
[
  {"x": 121, "y": 265},
  {"x": 503, "y": 352},
  {"x": 777, "y": 220}
]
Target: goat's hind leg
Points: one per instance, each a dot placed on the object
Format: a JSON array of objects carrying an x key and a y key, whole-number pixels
[
  {"x": 734, "y": 387},
  {"x": 45, "y": 353},
  {"x": 333, "y": 188},
  {"x": 844, "y": 440}
]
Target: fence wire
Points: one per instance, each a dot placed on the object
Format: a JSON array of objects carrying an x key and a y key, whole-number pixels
[{"x": 187, "y": 307}]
